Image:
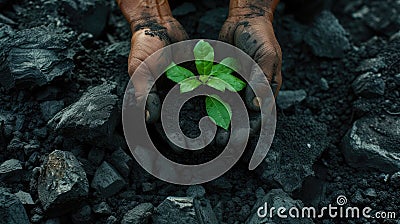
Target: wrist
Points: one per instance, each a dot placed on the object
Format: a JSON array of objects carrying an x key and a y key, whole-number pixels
[
  {"x": 252, "y": 8},
  {"x": 142, "y": 11}
]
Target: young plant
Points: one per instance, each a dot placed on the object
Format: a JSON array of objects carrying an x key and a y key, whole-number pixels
[{"x": 218, "y": 76}]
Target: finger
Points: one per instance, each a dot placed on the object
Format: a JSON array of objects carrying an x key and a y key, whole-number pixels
[
  {"x": 153, "y": 108},
  {"x": 227, "y": 31},
  {"x": 256, "y": 88}
]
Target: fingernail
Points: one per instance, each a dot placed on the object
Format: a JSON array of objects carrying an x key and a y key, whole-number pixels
[
  {"x": 257, "y": 101},
  {"x": 147, "y": 115},
  {"x": 274, "y": 87}
]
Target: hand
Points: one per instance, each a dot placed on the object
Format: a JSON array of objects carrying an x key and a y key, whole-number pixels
[
  {"x": 153, "y": 27},
  {"x": 251, "y": 30}
]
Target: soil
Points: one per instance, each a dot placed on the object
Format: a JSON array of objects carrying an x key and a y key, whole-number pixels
[{"x": 231, "y": 196}]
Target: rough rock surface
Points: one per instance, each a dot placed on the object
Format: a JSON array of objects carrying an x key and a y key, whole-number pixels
[
  {"x": 292, "y": 155},
  {"x": 369, "y": 85},
  {"x": 184, "y": 210},
  {"x": 62, "y": 183},
  {"x": 107, "y": 181},
  {"x": 139, "y": 215},
  {"x": 11, "y": 170},
  {"x": 122, "y": 162},
  {"x": 93, "y": 117},
  {"x": 87, "y": 15},
  {"x": 212, "y": 21},
  {"x": 11, "y": 209},
  {"x": 373, "y": 142},
  {"x": 25, "y": 198},
  {"x": 288, "y": 98},
  {"x": 51, "y": 108},
  {"x": 276, "y": 198},
  {"x": 35, "y": 57},
  {"x": 327, "y": 38}
]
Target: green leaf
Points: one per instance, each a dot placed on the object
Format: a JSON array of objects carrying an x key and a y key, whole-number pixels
[
  {"x": 177, "y": 73},
  {"x": 234, "y": 83},
  {"x": 231, "y": 63},
  {"x": 227, "y": 66},
  {"x": 219, "y": 111},
  {"x": 216, "y": 83},
  {"x": 204, "y": 57},
  {"x": 220, "y": 69},
  {"x": 203, "y": 78},
  {"x": 189, "y": 84}
]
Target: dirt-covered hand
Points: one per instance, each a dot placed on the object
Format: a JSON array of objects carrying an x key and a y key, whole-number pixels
[
  {"x": 153, "y": 27},
  {"x": 249, "y": 27}
]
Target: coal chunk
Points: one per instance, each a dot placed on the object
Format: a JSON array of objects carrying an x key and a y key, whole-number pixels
[
  {"x": 89, "y": 16},
  {"x": 11, "y": 209},
  {"x": 369, "y": 85},
  {"x": 276, "y": 198},
  {"x": 35, "y": 57},
  {"x": 122, "y": 162},
  {"x": 92, "y": 118},
  {"x": 25, "y": 198},
  {"x": 139, "y": 214},
  {"x": 372, "y": 143},
  {"x": 211, "y": 22},
  {"x": 62, "y": 183},
  {"x": 51, "y": 108},
  {"x": 107, "y": 181},
  {"x": 327, "y": 38},
  {"x": 83, "y": 215},
  {"x": 184, "y": 210},
  {"x": 298, "y": 143},
  {"x": 184, "y": 9},
  {"x": 288, "y": 98},
  {"x": 11, "y": 170},
  {"x": 102, "y": 209}
]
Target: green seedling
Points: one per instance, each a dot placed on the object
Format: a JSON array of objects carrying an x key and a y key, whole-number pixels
[{"x": 218, "y": 76}]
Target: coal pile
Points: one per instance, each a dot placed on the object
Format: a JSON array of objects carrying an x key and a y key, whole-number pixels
[{"x": 63, "y": 157}]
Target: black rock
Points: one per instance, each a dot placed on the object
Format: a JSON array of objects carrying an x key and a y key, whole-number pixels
[
  {"x": 184, "y": 9},
  {"x": 288, "y": 98},
  {"x": 111, "y": 220},
  {"x": 372, "y": 143},
  {"x": 196, "y": 191},
  {"x": 35, "y": 57},
  {"x": 51, "y": 108},
  {"x": 25, "y": 198},
  {"x": 298, "y": 143},
  {"x": 107, "y": 181},
  {"x": 276, "y": 198},
  {"x": 96, "y": 155},
  {"x": 147, "y": 187},
  {"x": 11, "y": 209},
  {"x": 92, "y": 118},
  {"x": 369, "y": 85},
  {"x": 62, "y": 183},
  {"x": 139, "y": 215},
  {"x": 118, "y": 51},
  {"x": 11, "y": 171},
  {"x": 184, "y": 210},
  {"x": 122, "y": 162},
  {"x": 89, "y": 16},
  {"x": 327, "y": 38},
  {"x": 210, "y": 24},
  {"x": 36, "y": 66},
  {"x": 102, "y": 209},
  {"x": 372, "y": 65},
  {"x": 82, "y": 216}
]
